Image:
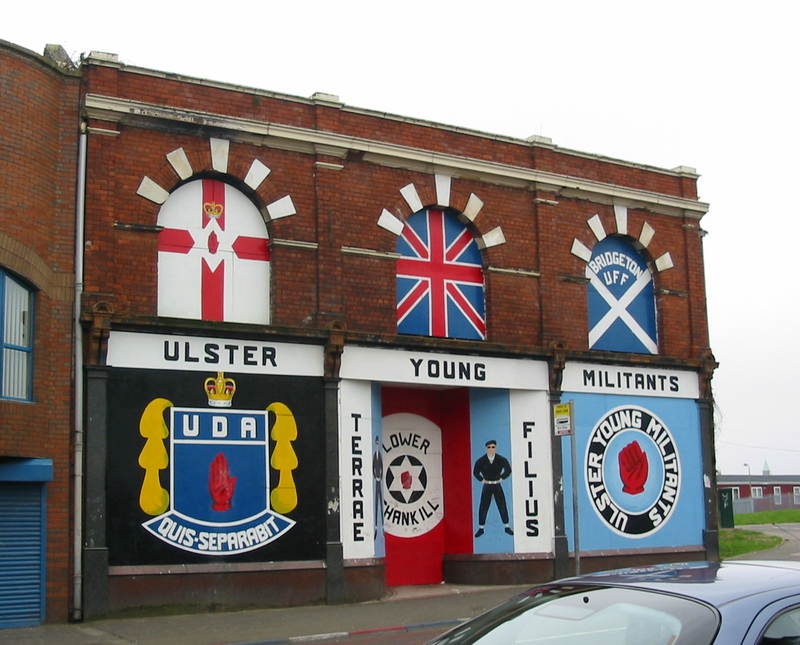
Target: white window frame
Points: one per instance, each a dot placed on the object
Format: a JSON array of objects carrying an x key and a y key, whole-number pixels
[
  {"x": 16, "y": 345},
  {"x": 796, "y": 495},
  {"x": 736, "y": 493},
  {"x": 776, "y": 493},
  {"x": 756, "y": 492}
]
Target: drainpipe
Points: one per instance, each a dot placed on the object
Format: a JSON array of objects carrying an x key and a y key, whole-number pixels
[{"x": 80, "y": 201}]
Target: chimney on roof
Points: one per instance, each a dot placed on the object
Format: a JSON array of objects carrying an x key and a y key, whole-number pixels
[{"x": 58, "y": 55}]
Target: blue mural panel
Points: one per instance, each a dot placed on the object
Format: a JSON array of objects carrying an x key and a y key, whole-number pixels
[
  {"x": 640, "y": 475},
  {"x": 621, "y": 299},
  {"x": 490, "y": 418}
]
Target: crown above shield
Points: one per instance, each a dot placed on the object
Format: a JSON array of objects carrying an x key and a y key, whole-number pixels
[{"x": 220, "y": 390}]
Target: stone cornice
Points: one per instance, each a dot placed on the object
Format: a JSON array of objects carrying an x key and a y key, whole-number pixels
[{"x": 397, "y": 156}]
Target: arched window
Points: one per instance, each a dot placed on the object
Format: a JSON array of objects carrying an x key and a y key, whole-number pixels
[
  {"x": 622, "y": 310},
  {"x": 16, "y": 333},
  {"x": 439, "y": 278},
  {"x": 213, "y": 257}
]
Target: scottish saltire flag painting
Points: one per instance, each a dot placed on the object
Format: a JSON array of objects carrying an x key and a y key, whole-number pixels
[
  {"x": 213, "y": 257},
  {"x": 622, "y": 312},
  {"x": 439, "y": 278}
]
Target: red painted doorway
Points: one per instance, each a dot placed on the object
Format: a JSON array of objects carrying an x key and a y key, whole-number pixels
[{"x": 427, "y": 500}]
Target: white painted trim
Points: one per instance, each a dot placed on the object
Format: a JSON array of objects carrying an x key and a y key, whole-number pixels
[
  {"x": 664, "y": 262},
  {"x": 532, "y": 141},
  {"x": 390, "y": 223},
  {"x": 473, "y": 207},
  {"x": 442, "y": 190},
  {"x": 328, "y": 166},
  {"x": 294, "y": 244},
  {"x": 180, "y": 163},
  {"x": 580, "y": 250},
  {"x": 283, "y": 207},
  {"x": 257, "y": 173},
  {"x": 520, "y": 272},
  {"x": 103, "y": 132},
  {"x": 115, "y": 109},
  {"x": 220, "y": 149},
  {"x": 596, "y": 224},
  {"x": 411, "y": 196},
  {"x": 621, "y": 216},
  {"x": 152, "y": 191},
  {"x": 370, "y": 253},
  {"x": 495, "y": 237},
  {"x": 646, "y": 236}
]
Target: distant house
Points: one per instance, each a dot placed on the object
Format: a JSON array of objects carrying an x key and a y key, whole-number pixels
[{"x": 764, "y": 492}]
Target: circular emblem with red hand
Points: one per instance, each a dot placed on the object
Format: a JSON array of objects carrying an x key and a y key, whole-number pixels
[{"x": 632, "y": 471}]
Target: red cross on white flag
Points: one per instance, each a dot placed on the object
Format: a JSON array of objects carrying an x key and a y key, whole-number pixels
[{"x": 213, "y": 258}]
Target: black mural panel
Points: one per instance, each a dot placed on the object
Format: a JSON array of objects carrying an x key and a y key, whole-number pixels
[{"x": 214, "y": 468}]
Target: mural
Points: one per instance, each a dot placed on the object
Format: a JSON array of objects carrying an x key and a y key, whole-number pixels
[
  {"x": 410, "y": 453},
  {"x": 640, "y": 476},
  {"x": 218, "y": 519},
  {"x": 413, "y": 503},
  {"x": 213, "y": 258},
  {"x": 491, "y": 469},
  {"x": 622, "y": 313},
  {"x": 193, "y": 476},
  {"x": 439, "y": 278},
  {"x": 632, "y": 471}
]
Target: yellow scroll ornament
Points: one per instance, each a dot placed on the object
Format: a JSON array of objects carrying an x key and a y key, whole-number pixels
[
  {"x": 153, "y": 499},
  {"x": 284, "y": 459}
]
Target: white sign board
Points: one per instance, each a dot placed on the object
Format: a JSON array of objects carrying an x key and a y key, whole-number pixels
[
  {"x": 397, "y": 366},
  {"x": 201, "y": 354},
  {"x": 630, "y": 381}
]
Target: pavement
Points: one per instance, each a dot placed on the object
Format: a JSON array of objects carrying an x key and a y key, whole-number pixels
[{"x": 404, "y": 608}]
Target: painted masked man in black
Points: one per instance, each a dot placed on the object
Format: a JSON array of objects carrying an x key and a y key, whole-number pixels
[{"x": 491, "y": 469}]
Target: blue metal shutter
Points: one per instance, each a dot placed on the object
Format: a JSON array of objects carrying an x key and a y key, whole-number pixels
[{"x": 21, "y": 554}]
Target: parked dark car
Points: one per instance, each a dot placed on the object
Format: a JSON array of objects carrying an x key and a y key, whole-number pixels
[{"x": 733, "y": 603}]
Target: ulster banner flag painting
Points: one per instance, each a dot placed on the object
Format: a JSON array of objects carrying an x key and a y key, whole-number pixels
[
  {"x": 213, "y": 258},
  {"x": 439, "y": 278}
]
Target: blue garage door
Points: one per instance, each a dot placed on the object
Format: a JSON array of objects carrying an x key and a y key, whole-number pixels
[{"x": 22, "y": 550}]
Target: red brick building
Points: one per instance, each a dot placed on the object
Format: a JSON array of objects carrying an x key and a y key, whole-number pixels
[
  {"x": 323, "y": 345},
  {"x": 39, "y": 121}
]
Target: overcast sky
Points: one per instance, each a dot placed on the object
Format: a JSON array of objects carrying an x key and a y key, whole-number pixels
[{"x": 709, "y": 85}]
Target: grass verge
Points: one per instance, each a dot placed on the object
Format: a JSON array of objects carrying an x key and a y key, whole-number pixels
[
  {"x": 768, "y": 517},
  {"x": 739, "y": 541}
]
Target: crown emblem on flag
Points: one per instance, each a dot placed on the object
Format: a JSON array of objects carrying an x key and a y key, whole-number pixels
[
  {"x": 220, "y": 390},
  {"x": 212, "y": 209}
]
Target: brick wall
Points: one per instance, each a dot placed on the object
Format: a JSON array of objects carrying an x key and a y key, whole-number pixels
[
  {"x": 39, "y": 133},
  {"x": 338, "y": 202},
  {"x": 534, "y": 291}
]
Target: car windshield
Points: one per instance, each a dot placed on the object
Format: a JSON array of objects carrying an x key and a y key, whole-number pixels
[{"x": 588, "y": 615}]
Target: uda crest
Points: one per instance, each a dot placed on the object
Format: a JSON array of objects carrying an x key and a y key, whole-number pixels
[{"x": 220, "y": 500}]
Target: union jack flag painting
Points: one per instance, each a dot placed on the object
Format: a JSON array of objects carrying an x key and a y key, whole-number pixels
[{"x": 439, "y": 278}]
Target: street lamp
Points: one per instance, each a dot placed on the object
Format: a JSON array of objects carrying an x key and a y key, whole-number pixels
[{"x": 750, "y": 486}]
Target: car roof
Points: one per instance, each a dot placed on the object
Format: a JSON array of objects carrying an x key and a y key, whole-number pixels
[{"x": 713, "y": 582}]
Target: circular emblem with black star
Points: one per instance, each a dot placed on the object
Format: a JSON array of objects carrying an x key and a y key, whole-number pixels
[
  {"x": 406, "y": 479},
  {"x": 413, "y": 502}
]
